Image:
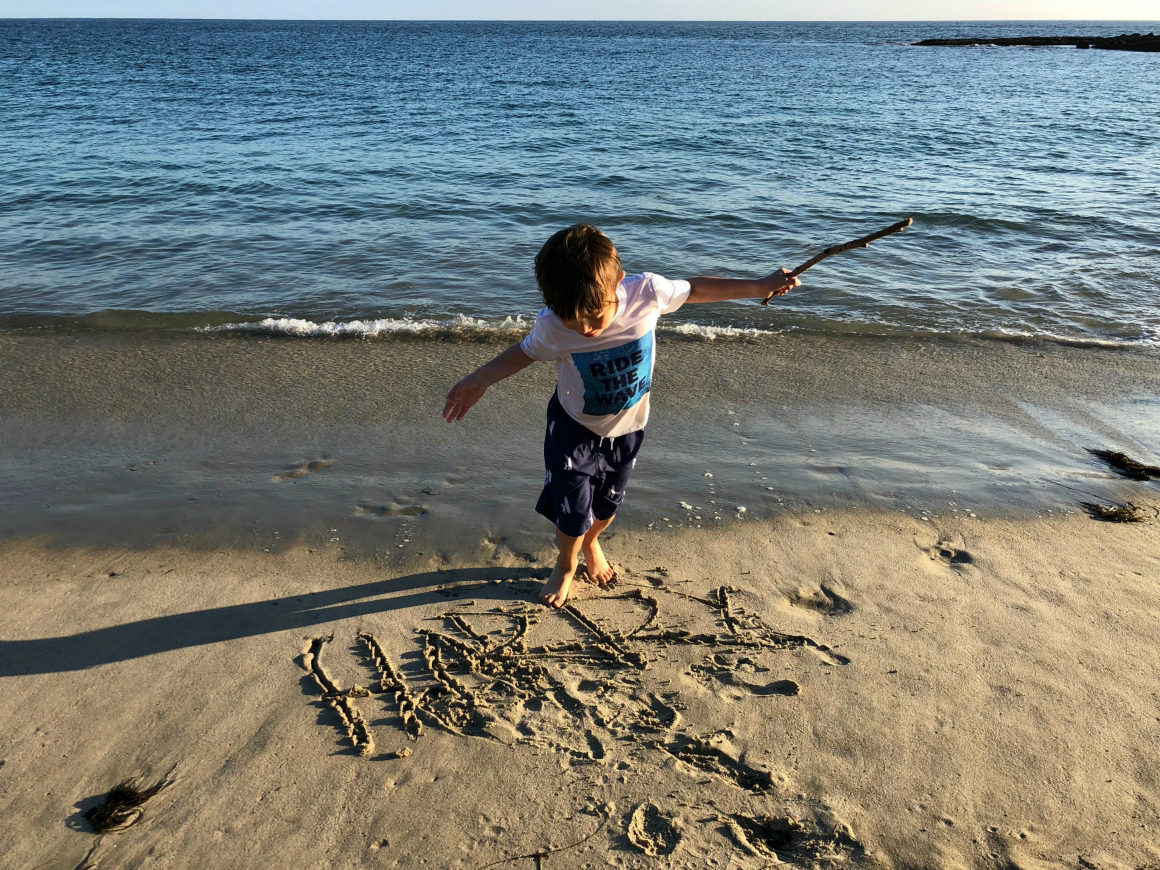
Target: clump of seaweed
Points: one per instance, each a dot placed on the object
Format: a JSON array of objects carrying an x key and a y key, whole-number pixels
[
  {"x": 1125, "y": 466},
  {"x": 1115, "y": 513},
  {"x": 122, "y": 805}
]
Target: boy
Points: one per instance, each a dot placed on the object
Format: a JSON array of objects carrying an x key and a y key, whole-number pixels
[{"x": 598, "y": 329}]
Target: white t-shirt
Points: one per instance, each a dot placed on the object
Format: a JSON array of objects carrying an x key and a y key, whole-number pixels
[{"x": 603, "y": 382}]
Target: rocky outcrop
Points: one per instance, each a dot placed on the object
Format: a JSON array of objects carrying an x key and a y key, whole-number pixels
[{"x": 1123, "y": 42}]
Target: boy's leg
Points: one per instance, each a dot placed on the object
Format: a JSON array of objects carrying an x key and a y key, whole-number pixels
[
  {"x": 598, "y": 568},
  {"x": 614, "y": 467},
  {"x": 555, "y": 591},
  {"x": 566, "y": 499}
]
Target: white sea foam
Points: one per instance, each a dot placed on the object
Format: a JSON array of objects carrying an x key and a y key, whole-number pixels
[
  {"x": 710, "y": 333},
  {"x": 460, "y": 325},
  {"x": 464, "y": 327},
  {"x": 296, "y": 326},
  {"x": 1002, "y": 334}
]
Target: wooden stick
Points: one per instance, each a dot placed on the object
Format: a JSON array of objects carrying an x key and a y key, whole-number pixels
[
  {"x": 863, "y": 242},
  {"x": 849, "y": 246}
]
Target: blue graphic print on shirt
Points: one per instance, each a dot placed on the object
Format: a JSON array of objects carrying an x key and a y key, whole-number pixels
[{"x": 616, "y": 378}]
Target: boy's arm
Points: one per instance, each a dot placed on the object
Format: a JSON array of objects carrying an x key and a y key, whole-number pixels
[
  {"x": 471, "y": 389},
  {"x": 719, "y": 289}
]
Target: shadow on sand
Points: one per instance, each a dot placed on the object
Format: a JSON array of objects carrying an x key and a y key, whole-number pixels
[{"x": 202, "y": 627}]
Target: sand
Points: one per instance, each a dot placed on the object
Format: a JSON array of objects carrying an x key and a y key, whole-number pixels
[{"x": 342, "y": 664}]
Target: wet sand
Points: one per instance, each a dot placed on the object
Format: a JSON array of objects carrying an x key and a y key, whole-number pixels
[
  {"x": 221, "y": 440},
  {"x": 208, "y": 544}
]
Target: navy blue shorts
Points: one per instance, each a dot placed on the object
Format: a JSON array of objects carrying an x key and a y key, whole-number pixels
[{"x": 586, "y": 474}]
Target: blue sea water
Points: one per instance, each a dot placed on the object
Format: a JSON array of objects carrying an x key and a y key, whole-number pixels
[{"x": 371, "y": 177}]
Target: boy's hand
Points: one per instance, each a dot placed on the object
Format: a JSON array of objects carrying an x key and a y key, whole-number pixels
[
  {"x": 471, "y": 389},
  {"x": 462, "y": 396},
  {"x": 778, "y": 284}
]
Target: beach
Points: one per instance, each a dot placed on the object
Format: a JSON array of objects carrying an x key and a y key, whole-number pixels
[
  {"x": 856, "y": 622},
  {"x": 862, "y": 618}
]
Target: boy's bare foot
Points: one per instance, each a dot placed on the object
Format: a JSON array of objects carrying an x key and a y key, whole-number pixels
[
  {"x": 554, "y": 592},
  {"x": 598, "y": 568}
]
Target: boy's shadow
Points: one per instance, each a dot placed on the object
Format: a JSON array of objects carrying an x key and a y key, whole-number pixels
[{"x": 133, "y": 640}]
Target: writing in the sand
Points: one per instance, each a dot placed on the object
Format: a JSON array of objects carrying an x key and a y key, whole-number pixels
[{"x": 616, "y": 378}]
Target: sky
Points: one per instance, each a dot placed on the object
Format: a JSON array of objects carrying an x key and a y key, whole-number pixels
[{"x": 669, "y": 10}]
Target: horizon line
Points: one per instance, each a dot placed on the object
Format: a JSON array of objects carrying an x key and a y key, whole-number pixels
[{"x": 582, "y": 20}]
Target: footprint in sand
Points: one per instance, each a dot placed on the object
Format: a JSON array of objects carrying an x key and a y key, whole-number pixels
[
  {"x": 651, "y": 832},
  {"x": 949, "y": 553},
  {"x": 765, "y": 836},
  {"x": 724, "y": 669},
  {"x": 391, "y": 510},
  {"x": 302, "y": 470},
  {"x": 499, "y": 548},
  {"x": 783, "y": 838},
  {"x": 656, "y": 577},
  {"x": 703, "y": 752},
  {"x": 825, "y": 600},
  {"x": 777, "y": 687}
]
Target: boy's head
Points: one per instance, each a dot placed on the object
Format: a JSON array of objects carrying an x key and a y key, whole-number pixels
[{"x": 578, "y": 271}]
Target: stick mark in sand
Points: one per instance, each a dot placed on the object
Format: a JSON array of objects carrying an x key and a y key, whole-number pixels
[
  {"x": 391, "y": 682},
  {"x": 356, "y": 726},
  {"x": 577, "y": 682},
  {"x": 544, "y": 853},
  {"x": 477, "y": 679}
]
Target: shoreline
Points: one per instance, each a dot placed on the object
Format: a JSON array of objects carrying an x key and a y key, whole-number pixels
[{"x": 471, "y": 328}]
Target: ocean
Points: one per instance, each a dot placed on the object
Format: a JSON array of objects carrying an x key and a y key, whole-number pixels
[
  {"x": 232, "y": 252},
  {"x": 376, "y": 178}
]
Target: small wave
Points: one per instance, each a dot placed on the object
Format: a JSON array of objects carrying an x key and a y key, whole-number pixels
[
  {"x": 712, "y": 333},
  {"x": 460, "y": 326},
  {"x": 886, "y": 329},
  {"x": 1023, "y": 335},
  {"x": 514, "y": 327}
]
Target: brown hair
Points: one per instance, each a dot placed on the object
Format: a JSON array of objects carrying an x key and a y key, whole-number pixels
[{"x": 575, "y": 269}]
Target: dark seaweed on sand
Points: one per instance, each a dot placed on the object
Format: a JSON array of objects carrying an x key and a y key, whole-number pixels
[
  {"x": 122, "y": 805},
  {"x": 1117, "y": 513},
  {"x": 1125, "y": 466}
]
